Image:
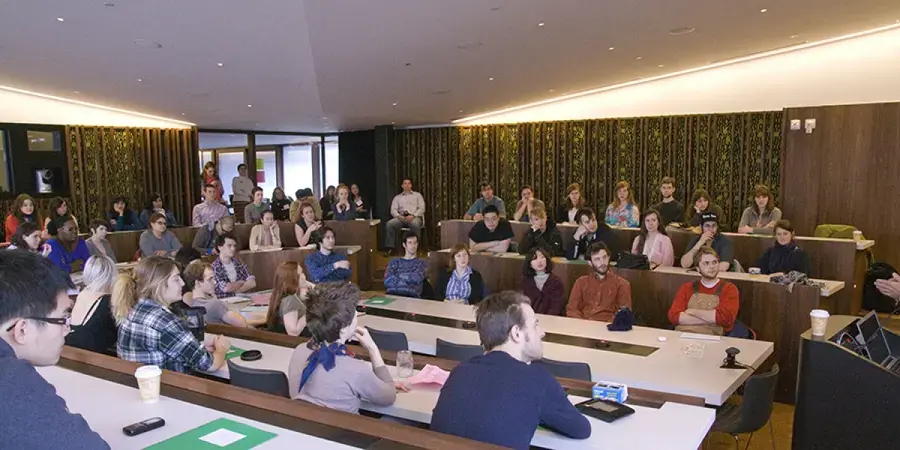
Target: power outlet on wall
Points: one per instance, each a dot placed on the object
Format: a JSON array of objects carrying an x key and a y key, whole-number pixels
[{"x": 810, "y": 125}]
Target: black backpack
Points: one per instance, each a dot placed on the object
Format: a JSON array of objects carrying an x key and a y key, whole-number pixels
[{"x": 873, "y": 299}]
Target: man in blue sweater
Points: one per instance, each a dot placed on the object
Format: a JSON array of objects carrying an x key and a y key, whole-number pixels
[
  {"x": 34, "y": 321},
  {"x": 406, "y": 276},
  {"x": 325, "y": 265},
  {"x": 498, "y": 397}
]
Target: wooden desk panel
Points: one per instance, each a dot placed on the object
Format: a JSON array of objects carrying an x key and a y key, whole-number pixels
[
  {"x": 830, "y": 259},
  {"x": 775, "y": 315},
  {"x": 262, "y": 265}
]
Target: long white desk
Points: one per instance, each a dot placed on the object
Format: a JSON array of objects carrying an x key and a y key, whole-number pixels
[
  {"x": 675, "y": 426},
  {"x": 108, "y": 406},
  {"x": 668, "y": 369}
]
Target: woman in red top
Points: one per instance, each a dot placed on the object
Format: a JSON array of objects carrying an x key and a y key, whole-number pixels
[
  {"x": 540, "y": 285},
  {"x": 24, "y": 210},
  {"x": 211, "y": 176}
]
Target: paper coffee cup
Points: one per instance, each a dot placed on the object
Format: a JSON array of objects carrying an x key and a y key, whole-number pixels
[
  {"x": 819, "y": 319},
  {"x": 754, "y": 271},
  {"x": 857, "y": 235},
  {"x": 148, "y": 378}
]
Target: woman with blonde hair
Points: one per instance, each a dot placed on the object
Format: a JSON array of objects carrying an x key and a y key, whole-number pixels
[
  {"x": 287, "y": 307},
  {"x": 623, "y": 211},
  {"x": 93, "y": 326},
  {"x": 151, "y": 334},
  {"x": 574, "y": 202}
]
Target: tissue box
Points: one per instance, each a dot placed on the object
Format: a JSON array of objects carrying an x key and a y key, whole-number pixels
[{"x": 610, "y": 391}]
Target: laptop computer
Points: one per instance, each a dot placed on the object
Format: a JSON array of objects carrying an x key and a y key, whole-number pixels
[{"x": 871, "y": 337}]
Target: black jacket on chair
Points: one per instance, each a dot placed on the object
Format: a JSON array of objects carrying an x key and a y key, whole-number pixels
[{"x": 475, "y": 281}]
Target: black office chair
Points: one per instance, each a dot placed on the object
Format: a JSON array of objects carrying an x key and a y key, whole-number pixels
[
  {"x": 753, "y": 412},
  {"x": 389, "y": 340},
  {"x": 269, "y": 381},
  {"x": 563, "y": 369},
  {"x": 457, "y": 352}
]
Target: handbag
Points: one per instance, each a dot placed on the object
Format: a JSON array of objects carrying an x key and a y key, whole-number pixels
[{"x": 632, "y": 261}]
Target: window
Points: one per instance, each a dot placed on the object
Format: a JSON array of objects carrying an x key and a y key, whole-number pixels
[
  {"x": 332, "y": 161},
  {"x": 266, "y": 176},
  {"x": 228, "y": 163},
  {"x": 298, "y": 168}
]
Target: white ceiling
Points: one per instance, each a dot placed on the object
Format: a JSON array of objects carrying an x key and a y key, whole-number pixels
[{"x": 299, "y": 61}]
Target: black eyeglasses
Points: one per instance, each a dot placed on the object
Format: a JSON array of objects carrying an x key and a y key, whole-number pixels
[{"x": 67, "y": 321}]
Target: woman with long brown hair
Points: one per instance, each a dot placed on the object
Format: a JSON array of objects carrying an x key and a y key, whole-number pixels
[
  {"x": 653, "y": 241},
  {"x": 567, "y": 212},
  {"x": 701, "y": 202},
  {"x": 760, "y": 217},
  {"x": 287, "y": 307},
  {"x": 623, "y": 211},
  {"x": 210, "y": 175},
  {"x": 149, "y": 333},
  {"x": 24, "y": 210}
]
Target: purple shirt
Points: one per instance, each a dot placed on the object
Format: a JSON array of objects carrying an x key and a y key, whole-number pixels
[{"x": 206, "y": 213}]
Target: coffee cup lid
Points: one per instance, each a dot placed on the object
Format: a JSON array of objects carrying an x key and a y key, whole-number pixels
[
  {"x": 147, "y": 372},
  {"x": 819, "y": 313}
]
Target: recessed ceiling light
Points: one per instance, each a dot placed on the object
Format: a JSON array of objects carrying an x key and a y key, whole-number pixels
[
  {"x": 638, "y": 57},
  {"x": 220, "y": 64},
  {"x": 147, "y": 43},
  {"x": 552, "y": 90},
  {"x": 140, "y": 80},
  {"x": 491, "y": 79},
  {"x": 392, "y": 123},
  {"x": 394, "y": 104},
  {"x": 249, "y": 106},
  {"x": 183, "y": 114},
  {"x": 612, "y": 48},
  {"x": 763, "y": 10},
  {"x": 460, "y": 110},
  {"x": 795, "y": 36},
  {"x": 76, "y": 92},
  {"x": 660, "y": 65},
  {"x": 60, "y": 19},
  {"x": 541, "y": 24},
  {"x": 326, "y": 118},
  {"x": 681, "y": 30}
]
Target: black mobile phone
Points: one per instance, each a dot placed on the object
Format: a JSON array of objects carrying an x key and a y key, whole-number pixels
[{"x": 143, "y": 426}]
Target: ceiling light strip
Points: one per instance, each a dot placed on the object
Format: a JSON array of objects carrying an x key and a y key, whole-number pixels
[
  {"x": 729, "y": 62},
  {"x": 93, "y": 105}
]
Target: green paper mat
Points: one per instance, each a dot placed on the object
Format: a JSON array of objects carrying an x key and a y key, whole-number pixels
[
  {"x": 234, "y": 352},
  {"x": 190, "y": 440},
  {"x": 379, "y": 301},
  {"x": 578, "y": 261}
]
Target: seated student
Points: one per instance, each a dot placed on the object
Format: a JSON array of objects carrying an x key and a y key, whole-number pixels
[
  {"x": 34, "y": 322},
  {"x": 363, "y": 207},
  {"x": 406, "y": 276},
  {"x": 149, "y": 333},
  {"x": 200, "y": 280},
  {"x": 254, "y": 210},
  {"x": 306, "y": 224},
  {"x": 93, "y": 326},
  {"x": 785, "y": 255},
  {"x": 287, "y": 306},
  {"x": 653, "y": 241},
  {"x": 267, "y": 234},
  {"x": 670, "y": 210},
  {"x": 97, "y": 243},
  {"x": 407, "y": 211},
  {"x": 121, "y": 217},
  {"x": 623, "y": 211},
  {"x": 57, "y": 214},
  {"x": 327, "y": 201},
  {"x": 760, "y": 217},
  {"x": 476, "y": 211},
  {"x": 205, "y": 239},
  {"x": 543, "y": 233},
  {"x": 158, "y": 240},
  {"x": 281, "y": 204},
  {"x": 567, "y": 212},
  {"x": 526, "y": 203},
  {"x": 325, "y": 264},
  {"x": 343, "y": 209},
  {"x": 67, "y": 248},
  {"x": 499, "y": 397},
  {"x": 23, "y": 211},
  {"x": 232, "y": 275},
  {"x": 28, "y": 238},
  {"x": 540, "y": 285},
  {"x": 155, "y": 205},
  {"x": 711, "y": 237},
  {"x": 599, "y": 296},
  {"x": 305, "y": 196},
  {"x": 709, "y": 305},
  {"x": 589, "y": 232},
  {"x": 342, "y": 382},
  {"x": 461, "y": 284},
  {"x": 492, "y": 233},
  {"x": 701, "y": 203},
  {"x": 210, "y": 211}
]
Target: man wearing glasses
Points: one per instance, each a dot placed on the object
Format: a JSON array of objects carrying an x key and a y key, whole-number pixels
[{"x": 34, "y": 321}]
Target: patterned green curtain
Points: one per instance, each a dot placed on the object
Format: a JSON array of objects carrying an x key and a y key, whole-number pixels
[{"x": 727, "y": 154}]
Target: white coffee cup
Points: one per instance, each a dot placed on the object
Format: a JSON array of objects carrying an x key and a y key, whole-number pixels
[
  {"x": 857, "y": 235},
  {"x": 819, "y": 319},
  {"x": 148, "y": 378},
  {"x": 754, "y": 271}
]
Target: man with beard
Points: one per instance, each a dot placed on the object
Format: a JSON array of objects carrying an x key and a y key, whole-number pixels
[
  {"x": 709, "y": 305},
  {"x": 499, "y": 397},
  {"x": 599, "y": 296}
]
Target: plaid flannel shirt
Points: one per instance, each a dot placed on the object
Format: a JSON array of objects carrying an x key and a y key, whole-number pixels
[
  {"x": 153, "y": 335},
  {"x": 221, "y": 275}
]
